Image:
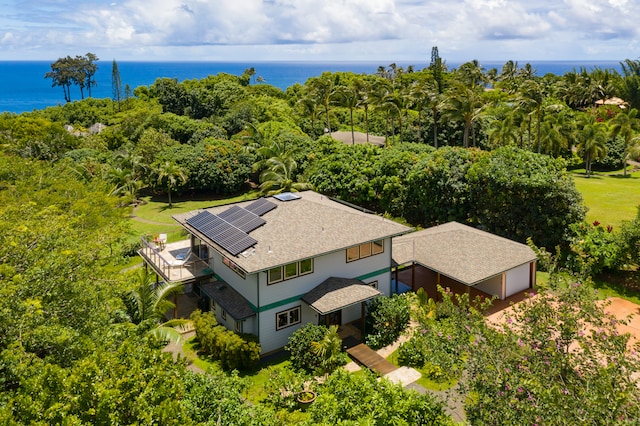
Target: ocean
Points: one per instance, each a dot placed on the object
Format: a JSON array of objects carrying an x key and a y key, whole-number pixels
[{"x": 24, "y": 88}]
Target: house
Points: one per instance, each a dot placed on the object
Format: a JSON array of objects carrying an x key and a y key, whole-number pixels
[
  {"x": 271, "y": 265},
  {"x": 464, "y": 259}
]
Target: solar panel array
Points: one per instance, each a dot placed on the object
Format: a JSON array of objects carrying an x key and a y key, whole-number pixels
[
  {"x": 242, "y": 219},
  {"x": 230, "y": 228},
  {"x": 261, "y": 206}
]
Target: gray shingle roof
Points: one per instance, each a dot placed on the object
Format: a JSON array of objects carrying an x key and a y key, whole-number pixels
[
  {"x": 338, "y": 293},
  {"x": 308, "y": 227},
  {"x": 228, "y": 299},
  {"x": 461, "y": 252}
]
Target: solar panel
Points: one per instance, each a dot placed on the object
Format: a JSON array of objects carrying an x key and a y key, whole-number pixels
[
  {"x": 261, "y": 206},
  {"x": 199, "y": 219},
  {"x": 242, "y": 218},
  {"x": 226, "y": 235}
]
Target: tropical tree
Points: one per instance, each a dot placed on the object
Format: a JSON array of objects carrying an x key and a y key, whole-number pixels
[
  {"x": 531, "y": 101},
  {"x": 148, "y": 303},
  {"x": 322, "y": 90},
  {"x": 280, "y": 175},
  {"x": 116, "y": 84},
  {"x": 593, "y": 139},
  {"x": 126, "y": 175},
  {"x": 626, "y": 124},
  {"x": 348, "y": 97},
  {"x": 170, "y": 176},
  {"x": 503, "y": 132},
  {"x": 462, "y": 103},
  {"x": 329, "y": 349}
]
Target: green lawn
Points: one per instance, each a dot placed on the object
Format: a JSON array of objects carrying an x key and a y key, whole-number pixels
[
  {"x": 610, "y": 197},
  {"x": 155, "y": 215},
  {"x": 157, "y": 209}
]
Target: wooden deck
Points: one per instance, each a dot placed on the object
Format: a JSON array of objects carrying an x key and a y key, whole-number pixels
[{"x": 366, "y": 356}]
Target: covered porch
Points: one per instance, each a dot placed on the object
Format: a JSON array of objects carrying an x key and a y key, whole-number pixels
[
  {"x": 336, "y": 301},
  {"x": 174, "y": 262}
]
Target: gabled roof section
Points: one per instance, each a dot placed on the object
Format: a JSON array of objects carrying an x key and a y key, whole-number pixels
[
  {"x": 466, "y": 254},
  {"x": 334, "y": 294},
  {"x": 305, "y": 228}
]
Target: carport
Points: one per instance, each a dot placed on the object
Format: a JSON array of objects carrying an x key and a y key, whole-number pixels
[{"x": 463, "y": 259}]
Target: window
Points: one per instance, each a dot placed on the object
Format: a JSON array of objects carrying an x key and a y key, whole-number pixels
[
  {"x": 353, "y": 253},
  {"x": 239, "y": 326},
  {"x": 224, "y": 315},
  {"x": 212, "y": 305},
  {"x": 377, "y": 247},
  {"x": 373, "y": 284},
  {"x": 289, "y": 271},
  {"x": 365, "y": 250},
  {"x": 288, "y": 318},
  {"x": 306, "y": 266},
  {"x": 275, "y": 275},
  {"x": 235, "y": 268}
]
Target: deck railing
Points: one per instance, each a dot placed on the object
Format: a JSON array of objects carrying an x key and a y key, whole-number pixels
[{"x": 169, "y": 267}]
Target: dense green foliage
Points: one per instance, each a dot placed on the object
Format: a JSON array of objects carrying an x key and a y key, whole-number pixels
[
  {"x": 557, "y": 359},
  {"x": 364, "y": 399},
  {"x": 386, "y": 319},
  {"x": 79, "y": 342},
  {"x": 300, "y": 347},
  {"x": 234, "y": 351}
]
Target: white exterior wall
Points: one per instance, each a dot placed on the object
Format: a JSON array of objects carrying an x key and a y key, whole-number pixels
[
  {"x": 286, "y": 294},
  {"x": 272, "y": 339},
  {"x": 518, "y": 279},
  {"x": 492, "y": 286},
  {"x": 247, "y": 287},
  {"x": 330, "y": 265}
]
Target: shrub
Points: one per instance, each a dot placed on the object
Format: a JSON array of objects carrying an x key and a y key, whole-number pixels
[
  {"x": 594, "y": 248},
  {"x": 300, "y": 347},
  {"x": 387, "y": 318},
  {"x": 234, "y": 351},
  {"x": 439, "y": 349}
]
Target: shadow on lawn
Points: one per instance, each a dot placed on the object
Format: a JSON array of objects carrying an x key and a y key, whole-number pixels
[{"x": 625, "y": 283}]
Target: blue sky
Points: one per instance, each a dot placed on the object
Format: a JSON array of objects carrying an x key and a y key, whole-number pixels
[{"x": 320, "y": 30}]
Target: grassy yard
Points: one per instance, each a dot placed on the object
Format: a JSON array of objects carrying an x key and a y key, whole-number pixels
[
  {"x": 154, "y": 215},
  {"x": 610, "y": 197}
]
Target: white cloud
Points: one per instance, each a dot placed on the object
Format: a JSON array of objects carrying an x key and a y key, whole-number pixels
[{"x": 327, "y": 29}]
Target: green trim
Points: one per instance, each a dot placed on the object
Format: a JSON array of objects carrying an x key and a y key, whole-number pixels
[
  {"x": 373, "y": 274},
  {"x": 296, "y": 298},
  {"x": 280, "y": 303}
]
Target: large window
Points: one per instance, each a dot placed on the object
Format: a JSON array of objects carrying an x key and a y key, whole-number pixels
[
  {"x": 365, "y": 250},
  {"x": 290, "y": 270},
  {"x": 235, "y": 268},
  {"x": 288, "y": 318}
]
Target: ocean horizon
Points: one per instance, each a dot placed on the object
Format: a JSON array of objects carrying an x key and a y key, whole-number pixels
[{"x": 23, "y": 86}]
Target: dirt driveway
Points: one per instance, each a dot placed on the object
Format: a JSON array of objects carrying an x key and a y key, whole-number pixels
[{"x": 620, "y": 308}]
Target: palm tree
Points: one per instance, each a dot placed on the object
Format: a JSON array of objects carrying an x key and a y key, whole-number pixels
[
  {"x": 593, "y": 139},
  {"x": 170, "y": 176},
  {"x": 147, "y": 304},
  {"x": 330, "y": 350},
  {"x": 503, "y": 132},
  {"x": 322, "y": 89},
  {"x": 348, "y": 97},
  {"x": 279, "y": 176},
  {"x": 462, "y": 103},
  {"x": 627, "y": 126},
  {"x": 531, "y": 100}
]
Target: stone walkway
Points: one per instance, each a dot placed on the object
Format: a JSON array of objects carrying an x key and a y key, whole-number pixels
[{"x": 407, "y": 377}]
